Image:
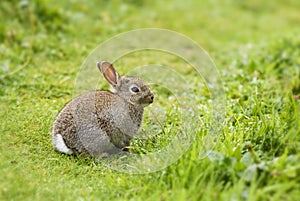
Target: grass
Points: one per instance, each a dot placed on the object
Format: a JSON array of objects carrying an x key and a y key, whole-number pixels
[{"x": 256, "y": 47}]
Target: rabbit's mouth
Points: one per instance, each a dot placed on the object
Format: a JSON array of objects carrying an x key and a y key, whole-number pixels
[
  {"x": 147, "y": 100},
  {"x": 142, "y": 101}
]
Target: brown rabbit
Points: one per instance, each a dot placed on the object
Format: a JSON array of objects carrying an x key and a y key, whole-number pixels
[{"x": 101, "y": 123}]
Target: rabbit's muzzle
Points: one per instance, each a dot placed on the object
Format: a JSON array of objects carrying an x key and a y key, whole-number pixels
[{"x": 148, "y": 99}]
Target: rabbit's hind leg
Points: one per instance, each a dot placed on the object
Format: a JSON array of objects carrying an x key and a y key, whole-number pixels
[{"x": 60, "y": 144}]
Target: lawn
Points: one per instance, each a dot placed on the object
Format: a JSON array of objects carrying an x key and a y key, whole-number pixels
[{"x": 255, "y": 47}]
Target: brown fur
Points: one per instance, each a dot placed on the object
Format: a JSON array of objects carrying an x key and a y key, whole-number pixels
[{"x": 103, "y": 122}]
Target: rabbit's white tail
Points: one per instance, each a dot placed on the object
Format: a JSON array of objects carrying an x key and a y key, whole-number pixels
[{"x": 60, "y": 144}]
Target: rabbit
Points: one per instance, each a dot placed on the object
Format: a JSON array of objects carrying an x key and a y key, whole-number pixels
[{"x": 102, "y": 123}]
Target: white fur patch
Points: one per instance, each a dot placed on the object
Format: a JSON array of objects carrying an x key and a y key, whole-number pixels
[{"x": 60, "y": 145}]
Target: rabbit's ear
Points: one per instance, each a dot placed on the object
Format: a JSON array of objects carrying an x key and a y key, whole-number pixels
[{"x": 109, "y": 72}]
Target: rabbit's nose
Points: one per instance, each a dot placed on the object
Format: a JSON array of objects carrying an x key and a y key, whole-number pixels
[{"x": 151, "y": 97}]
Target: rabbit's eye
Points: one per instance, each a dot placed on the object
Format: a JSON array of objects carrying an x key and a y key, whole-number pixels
[{"x": 135, "y": 89}]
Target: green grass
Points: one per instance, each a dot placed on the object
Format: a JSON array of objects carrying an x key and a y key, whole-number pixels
[{"x": 256, "y": 47}]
